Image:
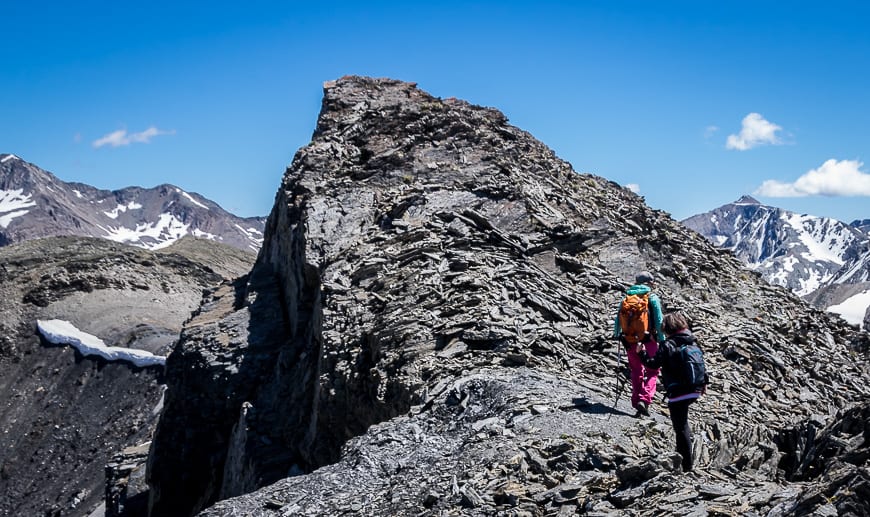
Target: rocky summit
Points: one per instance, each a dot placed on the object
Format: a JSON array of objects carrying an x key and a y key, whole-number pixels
[{"x": 427, "y": 332}]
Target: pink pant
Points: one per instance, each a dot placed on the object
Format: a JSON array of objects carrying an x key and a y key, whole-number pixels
[{"x": 643, "y": 379}]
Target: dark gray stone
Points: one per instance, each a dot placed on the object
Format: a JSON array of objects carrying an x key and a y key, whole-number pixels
[{"x": 411, "y": 224}]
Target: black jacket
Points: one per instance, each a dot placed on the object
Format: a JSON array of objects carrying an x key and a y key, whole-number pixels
[{"x": 668, "y": 359}]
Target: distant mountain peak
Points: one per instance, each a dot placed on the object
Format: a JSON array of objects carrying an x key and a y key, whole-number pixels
[
  {"x": 35, "y": 204},
  {"x": 819, "y": 258},
  {"x": 747, "y": 200}
]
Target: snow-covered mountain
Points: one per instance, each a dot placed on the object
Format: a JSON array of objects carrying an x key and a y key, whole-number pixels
[
  {"x": 822, "y": 259},
  {"x": 862, "y": 224},
  {"x": 34, "y": 203}
]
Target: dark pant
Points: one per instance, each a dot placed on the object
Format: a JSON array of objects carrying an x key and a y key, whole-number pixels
[{"x": 680, "y": 418}]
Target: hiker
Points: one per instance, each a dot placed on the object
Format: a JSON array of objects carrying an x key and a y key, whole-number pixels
[
  {"x": 682, "y": 386},
  {"x": 647, "y": 332}
]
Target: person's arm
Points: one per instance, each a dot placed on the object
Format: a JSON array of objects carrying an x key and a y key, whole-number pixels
[
  {"x": 617, "y": 329},
  {"x": 657, "y": 360},
  {"x": 655, "y": 309}
]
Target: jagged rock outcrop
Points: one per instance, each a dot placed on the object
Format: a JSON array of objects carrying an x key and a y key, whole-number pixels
[
  {"x": 426, "y": 330},
  {"x": 62, "y": 416},
  {"x": 126, "y": 489},
  {"x": 838, "y": 456}
]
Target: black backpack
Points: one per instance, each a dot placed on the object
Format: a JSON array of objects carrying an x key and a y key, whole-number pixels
[{"x": 689, "y": 368}]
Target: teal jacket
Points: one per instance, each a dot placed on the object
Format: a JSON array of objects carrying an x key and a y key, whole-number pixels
[{"x": 655, "y": 312}]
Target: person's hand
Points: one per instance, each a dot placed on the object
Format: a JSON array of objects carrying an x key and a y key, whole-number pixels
[{"x": 639, "y": 348}]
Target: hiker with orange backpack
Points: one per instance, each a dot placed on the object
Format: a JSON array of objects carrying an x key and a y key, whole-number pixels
[{"x": 639, "y": 320}]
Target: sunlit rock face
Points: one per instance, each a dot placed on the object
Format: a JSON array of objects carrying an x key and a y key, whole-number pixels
[{"x": 427, "y": 329}]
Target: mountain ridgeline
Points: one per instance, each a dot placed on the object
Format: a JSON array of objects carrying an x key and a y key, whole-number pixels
[
  {"x": 34, "y": 204},
  {"x": 821, "y": 259},
  {"x": 427, "y": 330}
]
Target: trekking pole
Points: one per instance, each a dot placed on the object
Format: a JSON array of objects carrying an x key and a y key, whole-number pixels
[{"x": 619, "y": 384}]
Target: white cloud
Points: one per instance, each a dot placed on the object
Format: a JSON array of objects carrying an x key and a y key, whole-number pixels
[
  {"x": 121, "y": 137},
  {"x": 833, "y": 178},
  {"x": 634, "y": 187},
  {"x": 710, "y": 131},
  {"x": 756, "y": 131}
]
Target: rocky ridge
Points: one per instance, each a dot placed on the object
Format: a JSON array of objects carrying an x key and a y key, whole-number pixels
[
  {"x": 63, "y": 416},
  {"x": 426, "y": 331}
]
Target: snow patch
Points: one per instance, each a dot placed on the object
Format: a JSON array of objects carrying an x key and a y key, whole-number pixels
[
  {"x": 62, "y": 332},
  {"x": 255, "y": 235},
  {"x": 813, "y": 281},
  {"x": 859, "y": 271},
  {"x": 14, "y": 202},
  {"x": 820, "y": 236},
  {"x": 853, "y": 308},
  {"x": 9, "y": 157},
  {"x": 132, "y": 205},
  {"x": 788, "y": 263},
  {"x": 165, "y": 231},
  {"x": 188, "y": 196},
  {"x": 205, "y": 235},
  {"x": 252, "y": 233},
  {"x": 780, "y": 276},
  {"x": 5, "y": 219},
  {"x": 78, "y": 194}
]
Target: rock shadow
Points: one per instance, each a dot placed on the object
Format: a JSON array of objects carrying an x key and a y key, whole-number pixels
[{"x": 595, "y": 408}]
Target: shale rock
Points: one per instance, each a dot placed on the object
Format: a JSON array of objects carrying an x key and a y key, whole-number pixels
[
  {"x": 427, "y": 330},
  {"x": 126, "y": 489}
]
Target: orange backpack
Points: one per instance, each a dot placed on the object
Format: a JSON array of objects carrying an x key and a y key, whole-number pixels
[{"x": 634, "y": 318}]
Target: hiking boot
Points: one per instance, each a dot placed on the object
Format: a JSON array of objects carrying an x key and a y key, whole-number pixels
[{"x": 642, "y": 408}]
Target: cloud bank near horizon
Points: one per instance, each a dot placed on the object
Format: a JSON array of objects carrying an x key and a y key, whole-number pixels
[{"x": 832, "y": 178}]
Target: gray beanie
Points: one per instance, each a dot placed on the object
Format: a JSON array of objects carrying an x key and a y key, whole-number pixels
[{"x": 644, "y": 277}]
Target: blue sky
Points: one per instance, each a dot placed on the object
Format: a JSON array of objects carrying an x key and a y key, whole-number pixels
[{"x": 694, "y": 103}]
